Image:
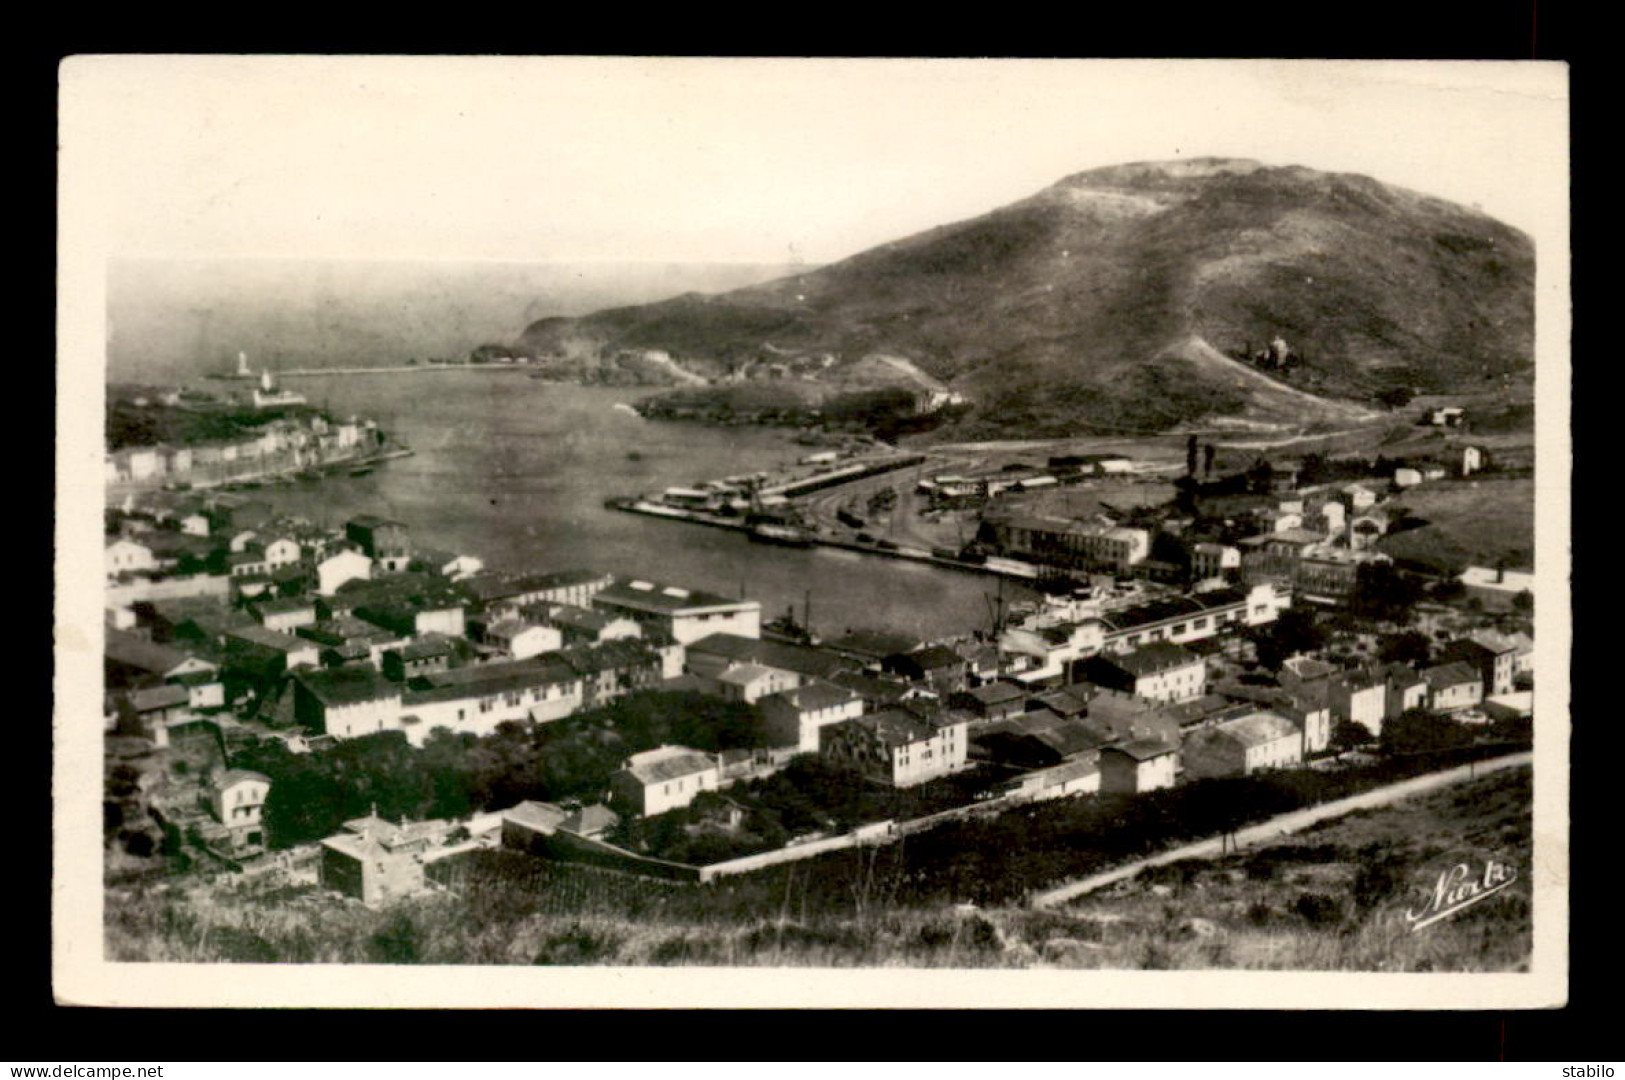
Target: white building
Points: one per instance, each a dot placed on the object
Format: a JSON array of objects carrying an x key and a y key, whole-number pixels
[
  {"x": 340, "y": 567},
  {"x": 1241, "y": 746},
  {"x": 685, "y": 615},
  {"x": 665, "y": 778},
  {"x": 794, "y": 717},
  {"x": 129, "y": 556},
  {"x": 1137, "y": 766}
]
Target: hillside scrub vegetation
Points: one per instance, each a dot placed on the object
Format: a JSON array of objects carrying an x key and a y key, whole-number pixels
[{"x": 1332, "y": 898}]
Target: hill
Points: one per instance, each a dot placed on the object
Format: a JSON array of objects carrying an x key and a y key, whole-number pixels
[
  {"x": 1134, "y": 298},
  {"x": 1330, "y": 898}
]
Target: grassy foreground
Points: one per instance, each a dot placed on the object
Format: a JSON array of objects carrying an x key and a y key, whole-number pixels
[{"x": 1332, "y": 898}]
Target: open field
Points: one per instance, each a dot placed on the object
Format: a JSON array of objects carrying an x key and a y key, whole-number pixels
[{"x": 1480, "y": 520}]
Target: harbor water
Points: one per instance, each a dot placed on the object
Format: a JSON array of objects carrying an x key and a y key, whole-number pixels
[{"x": 515, "y": 470}]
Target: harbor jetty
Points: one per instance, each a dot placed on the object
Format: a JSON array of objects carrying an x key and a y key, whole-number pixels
[{"x": 764, "y": 508}]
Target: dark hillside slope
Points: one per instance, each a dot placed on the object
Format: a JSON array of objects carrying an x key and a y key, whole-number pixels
[{"x": 1083, "y": 303}]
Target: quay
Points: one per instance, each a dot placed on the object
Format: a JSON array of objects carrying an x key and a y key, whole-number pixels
[
  {"x": 392, "y": 369},
  {"x": 1010, "y": 568},
  {"x": 206, "y": 479}
]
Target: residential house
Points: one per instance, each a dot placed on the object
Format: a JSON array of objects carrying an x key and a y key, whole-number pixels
[
  {"x": 148, "y": 712},
  {"x": 479, "y": 699},
  {"x": 280, "y": 551},
  {"x": 346, "y": 702},
  {"x": 1406, "y": 690},
  {"x": 1137, "y": 766},
  {"x": 1308, "y": 705},
  {"x": 617, "y": 668},
  {"x": 583, "y": 626},
  {"x": 520, "y": 640},
  {"x": 376, "y": 861},
  {"x": 421, "y": 656},
  {"x": 132, "y": 661},
  {"x": 124, "y": 555},
  {"x": 1359, "y": 497},
  {"x": 447, "y": 564},
  {"x": 347, "y": 640},
  {"x": 285, "y": 614},
  {"x": 415, "y": 612},
  {"x": 751, "y": 682},
  {"x": 878, "y": 693},
  {"x": 993, "y": 701},
  {"x": 1080, "y": 777},
  {"x": 387, "y": 543},
  {"x": 237, "y": 800},
  {"x": 1329, "y": 517},
  {"x": 897, "y": 746},
  {"x": 1161, "y": 671},
  {"x": 270, "y": 651},
  {"x": 665, "y": 778},
  {"x": 1210, "y": 560},
  {"x": 1495, "y": 656},
  {"x": 937, "y": 666},
  {"x": 794, "y": 717},
  {"x": 981, "y": 659},
  {"x": 1452, "y": 686},
  {"x": 1242, "y": 746},
  {"x": 340, "y": 568},
  {"x": 1359, "y": 696}
]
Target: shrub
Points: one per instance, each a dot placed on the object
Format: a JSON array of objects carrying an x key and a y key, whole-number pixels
[
  {"x": 398, "y": 942},
  {"x": 577, "y": 947},
  {"x": 1318, "y": 908},
  {"x": 236, "y": 945}
]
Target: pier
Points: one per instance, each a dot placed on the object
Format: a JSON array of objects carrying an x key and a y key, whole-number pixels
[{"x": 1009, "y": 568}]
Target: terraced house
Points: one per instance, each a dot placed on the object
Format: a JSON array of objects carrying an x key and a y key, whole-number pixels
[
  {"x": 898, "y": 746},
  {"x": 1160, "y": 672}
]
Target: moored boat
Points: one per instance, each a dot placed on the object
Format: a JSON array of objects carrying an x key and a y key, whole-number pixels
[{"x": 787, "y": 535}]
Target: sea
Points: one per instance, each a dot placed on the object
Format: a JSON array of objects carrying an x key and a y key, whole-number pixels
[{"x": 505, "y": 467}]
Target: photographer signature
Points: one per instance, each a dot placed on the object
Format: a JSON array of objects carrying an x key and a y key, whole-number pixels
[{"x": 1459, "y": 886}]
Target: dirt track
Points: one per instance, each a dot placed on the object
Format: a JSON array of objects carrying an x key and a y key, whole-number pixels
[{"x": 1284, "y": 823}]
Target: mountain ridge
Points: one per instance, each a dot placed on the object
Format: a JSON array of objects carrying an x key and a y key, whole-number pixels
[{"x": 1076, "y": 305}]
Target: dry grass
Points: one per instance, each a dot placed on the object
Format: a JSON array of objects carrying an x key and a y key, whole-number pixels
[{"x": 1330, "y": 899}]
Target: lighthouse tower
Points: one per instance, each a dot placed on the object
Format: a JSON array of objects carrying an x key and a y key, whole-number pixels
[{"x": 242, "y": 364}]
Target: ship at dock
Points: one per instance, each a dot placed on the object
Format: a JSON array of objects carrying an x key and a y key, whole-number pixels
[{"x": 785, "y": 535}]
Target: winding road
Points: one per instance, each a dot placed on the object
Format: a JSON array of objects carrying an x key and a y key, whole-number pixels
[{"x": 1282, "y": 824}]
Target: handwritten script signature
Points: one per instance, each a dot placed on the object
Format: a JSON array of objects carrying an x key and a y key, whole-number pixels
[{"x": 1459, "y": 886}]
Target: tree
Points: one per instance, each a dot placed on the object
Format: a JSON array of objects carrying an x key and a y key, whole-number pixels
[
  {"x": 1396, "y": 397},
  {"x": 1410, "y": 647},
  {"x": 1190, "y": 456},
  {"x": 1384, "y": 593},
  {"x": 1296, "y": 631},
  {"x": 1207, "y": 461},
  {"x": 1524, "y": 602},
  {"x": 1348, "y": 735},
  {"x": 1419, "y": 730}
]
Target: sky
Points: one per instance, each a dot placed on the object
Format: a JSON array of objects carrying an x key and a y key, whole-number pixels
[{"x": 576, "y": 159}]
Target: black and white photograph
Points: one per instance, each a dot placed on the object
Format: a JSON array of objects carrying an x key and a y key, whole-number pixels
[{"x": 575, "y": 531}]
